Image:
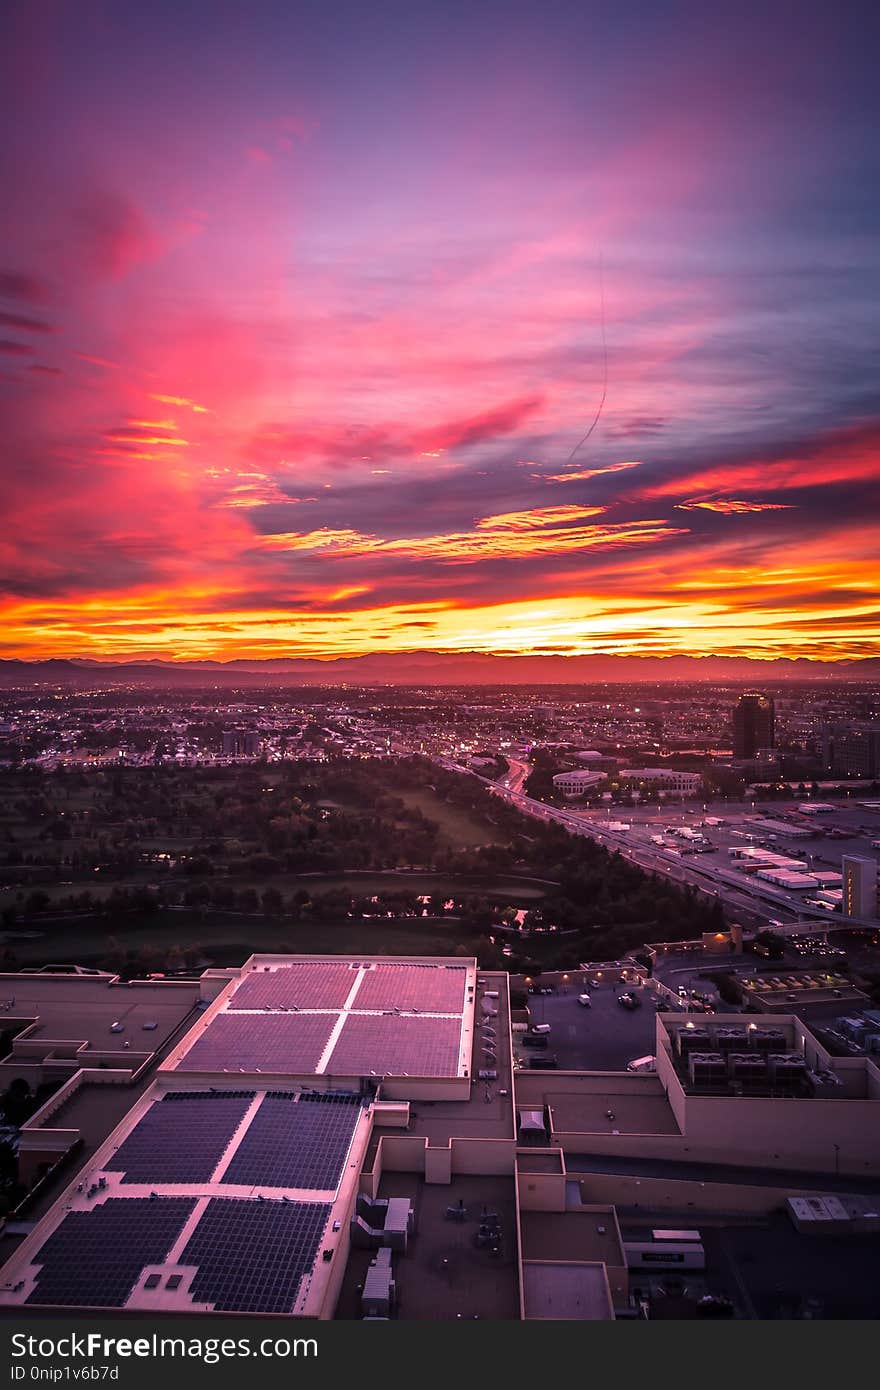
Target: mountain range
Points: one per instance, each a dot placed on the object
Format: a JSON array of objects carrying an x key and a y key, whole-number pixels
[{"x": 429, "y": 668}]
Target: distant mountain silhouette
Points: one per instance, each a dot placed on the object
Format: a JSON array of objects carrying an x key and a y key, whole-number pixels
[{"x": 429, "y": 668}]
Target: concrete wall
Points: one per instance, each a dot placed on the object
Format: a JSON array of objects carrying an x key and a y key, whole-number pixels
[
  {"x": 820, "y": 1135},
  {"x": 487, "y": 1156},
  {"x": 689, "y": 1198},
  {"x": 741, "y": 1138},
  {"x": 541, "y": 1191},
  {"x": 438, "y": 1165},
  {"x": 835, "y": 1135},
  {"x": 422, "y": 1088},
  {"x": 394, "y": 1115},
  {"x": 31, "y": 1072},
  {"x": 532, "y": 1086},
  {"x": 401, "y": 1154},
  {"x": 411, "y": 1153}
]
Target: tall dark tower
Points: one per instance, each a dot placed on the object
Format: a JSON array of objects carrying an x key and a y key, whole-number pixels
[{"x": 753, "y": 725}]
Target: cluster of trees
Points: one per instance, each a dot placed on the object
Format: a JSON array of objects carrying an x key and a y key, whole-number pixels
[{"x": 258, "y": 823}]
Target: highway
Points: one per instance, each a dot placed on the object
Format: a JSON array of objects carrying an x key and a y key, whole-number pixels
[{"x": 749, "y": 903}]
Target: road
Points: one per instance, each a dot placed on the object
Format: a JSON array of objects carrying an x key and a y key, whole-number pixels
[{"x": 750, "y": 901}]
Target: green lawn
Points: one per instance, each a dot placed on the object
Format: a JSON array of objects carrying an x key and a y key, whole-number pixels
[
  {"x": 231, "y": 941},
  {"x": 459, "y": 829},
  {"x": 516, "y": 891}
]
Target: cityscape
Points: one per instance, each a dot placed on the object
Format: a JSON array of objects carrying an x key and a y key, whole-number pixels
[{"x": 439, "y": 667}]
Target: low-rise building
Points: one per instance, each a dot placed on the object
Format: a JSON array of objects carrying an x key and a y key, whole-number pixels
[
  {"x": 577, "y": 782},
  {"x": 665, "y": 778}
]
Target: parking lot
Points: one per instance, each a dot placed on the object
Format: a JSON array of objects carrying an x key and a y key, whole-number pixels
[
  {"x": 650, "y": 839},
  {"x": 603, "y": 1037}
]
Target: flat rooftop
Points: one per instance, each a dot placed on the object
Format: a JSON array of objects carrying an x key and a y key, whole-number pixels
[
  {"x": 205, "y": 1199},
  {"x": 589, "y": 1236},
  {"x": 444, "y": 1275},
  {"x": 537, "y": 1162},
  {"x": 332, "y": 1017},
  {"x": 82, "y": 1008},
  {"x": 567, "y": 1291},
  {"x": 597, "y": 1104},
  {"x": 487, "y": 1112}
]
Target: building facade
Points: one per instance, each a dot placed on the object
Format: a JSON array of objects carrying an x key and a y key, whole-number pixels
[
  {"x": 753, "y": 725},
  {"x": 666, "y": 778},
  {"x": 852, "y": 749},
  {"x": 577, "y": 782},
  {"x": 859, "y": 886}
]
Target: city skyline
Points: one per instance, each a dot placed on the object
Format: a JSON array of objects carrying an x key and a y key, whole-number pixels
[{"x": 412, "y": 330}]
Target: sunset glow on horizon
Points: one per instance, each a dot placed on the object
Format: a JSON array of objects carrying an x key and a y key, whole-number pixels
[{"x": 304, "y": 309}]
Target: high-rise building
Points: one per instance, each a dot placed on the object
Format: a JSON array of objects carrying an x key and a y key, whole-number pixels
[
  {"x": 859, "y": 886},
  {"x": 852, "y": 749},
  {"x": 753, "y": 725},
  {"x": 241, "y": 743}
]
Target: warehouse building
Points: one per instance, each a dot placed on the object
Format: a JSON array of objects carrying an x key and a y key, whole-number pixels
[{"x": 349, "y": 1138}]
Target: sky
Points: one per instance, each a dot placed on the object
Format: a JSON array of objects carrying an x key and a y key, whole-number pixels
[{"x": 335, "y": 327}]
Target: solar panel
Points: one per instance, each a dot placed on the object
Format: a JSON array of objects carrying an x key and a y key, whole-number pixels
[
  {"x": 292, "y": 1143},
  {"x": 251, "y": 1255},
  {"x": 94, "y": 1258},
  {"x": 322, "y": 985},
  {"x": 275, "y": 1043},
  {"x": 430, "y": 988},
  {"x": 181, "y": 1138},
  {"x": 370, "y": 1043}
]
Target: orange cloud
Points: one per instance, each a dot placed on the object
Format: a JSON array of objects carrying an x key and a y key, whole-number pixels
[
  {"x": 182, "y": 400},
  {"x": 582, "y": 474},
  {"x": 846, "y": 455},
  {"x": 731, "y": 505},
  {"x": 514, "y": 535},
  {"x": 535, "y": 516}
]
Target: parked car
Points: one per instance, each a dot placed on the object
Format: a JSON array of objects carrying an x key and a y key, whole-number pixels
[
  {"x": 534, "y": 1040},
  {"x": 642, "y": 1064}
]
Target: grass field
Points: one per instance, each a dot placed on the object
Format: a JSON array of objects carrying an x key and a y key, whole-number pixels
[
  {"x": 459, "y": 829},
  {"x": 518, "y": 892},
  {"x": 228, "y": 940}
]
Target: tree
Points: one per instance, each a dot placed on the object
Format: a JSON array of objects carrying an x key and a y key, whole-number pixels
[
  {"x": 729, "y": 988},
  {"x": 773, "y": 943},
  {"x": 272, "y": 902}
]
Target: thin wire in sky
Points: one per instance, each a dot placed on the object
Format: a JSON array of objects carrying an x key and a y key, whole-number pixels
[{"x": 581, "y": 442}]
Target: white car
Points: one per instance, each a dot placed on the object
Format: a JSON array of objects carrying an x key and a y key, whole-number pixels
[
  {"x": 585, "y": 1000},
  {"x": 642, "y": 1064},
  {"x": 540, "y": 1028}
]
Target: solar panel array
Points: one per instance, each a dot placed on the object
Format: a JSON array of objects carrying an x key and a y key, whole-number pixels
[
  {"x": 252, "y": 1255},
  {"x": 276, "y": 1043},
  {"x": 94, "y": 1258},
  {"x": 374, "y": 1044},
  {"x": 429, "y": 988},
  {"x": 279, "y": 1021},
  {"x": 293, "y": 1143},
  {"x": 181, "y": 1138},
  {"x": 322, "y": 985}
]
